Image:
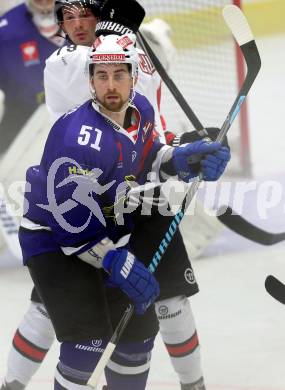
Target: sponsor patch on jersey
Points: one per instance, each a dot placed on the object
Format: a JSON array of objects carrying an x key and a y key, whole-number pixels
[
  {"x": 145, "y": 64},
  {"x": 30, "y": 53},
  {"x": 74, "y": 170}
]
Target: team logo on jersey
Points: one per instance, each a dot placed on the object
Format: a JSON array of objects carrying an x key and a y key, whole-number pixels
[
  {"x": 30, "y": 53},
  {"x": 145, "y": 64},
  {"x": 86, "y": 186},
  {"x": 189, "y": 276},
  {"x": 134, "y": 155}
]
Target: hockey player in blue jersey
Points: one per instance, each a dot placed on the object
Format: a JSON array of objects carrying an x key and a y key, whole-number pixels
[
  {"x": 28, "y": 36},
  {"x": 105, "y": 142},
  {"x": 42, "y": 331}
]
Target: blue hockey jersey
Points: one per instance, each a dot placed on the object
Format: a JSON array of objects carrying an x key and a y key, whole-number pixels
[
  {"x": 87, "y": 165},
  {"x": 23, "y": 51}
]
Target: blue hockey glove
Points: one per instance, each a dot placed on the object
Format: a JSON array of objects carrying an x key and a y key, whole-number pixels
[
  {"x": 186, "y": 155},
  {"x": 132, "y": 277},
  {"x": 213, "y": 165}
]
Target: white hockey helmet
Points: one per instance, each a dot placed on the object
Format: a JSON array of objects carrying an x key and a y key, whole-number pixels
[
  {"x": 42, "y": 12},
  {"x": 115, "y": 49}
]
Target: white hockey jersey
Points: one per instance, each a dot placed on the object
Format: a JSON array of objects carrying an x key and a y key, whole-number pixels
[{"x": 66, "y": 82}]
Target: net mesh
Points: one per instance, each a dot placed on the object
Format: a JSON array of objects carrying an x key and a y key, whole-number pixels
[{"x": 204, "y": 67}]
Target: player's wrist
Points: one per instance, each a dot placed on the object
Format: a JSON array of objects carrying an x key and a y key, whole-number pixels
[
  {"x": 96, "y": 254},
  {"x": 109, "y": 260}
]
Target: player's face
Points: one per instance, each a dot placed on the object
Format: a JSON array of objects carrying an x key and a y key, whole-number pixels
[
  {"x": 42, "y": 6},
  {"x": 79, "y": 24},
  {"x": 112, "y": 84}
]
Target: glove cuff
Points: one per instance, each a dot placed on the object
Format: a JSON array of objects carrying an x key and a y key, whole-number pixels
[{"x": 109, "y": 259}]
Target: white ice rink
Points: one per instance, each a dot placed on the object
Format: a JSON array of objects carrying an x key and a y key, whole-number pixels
[{"x": 241, "y": 327}]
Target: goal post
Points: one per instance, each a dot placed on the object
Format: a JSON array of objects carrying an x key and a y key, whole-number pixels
[{"x": 207, "y": 67}]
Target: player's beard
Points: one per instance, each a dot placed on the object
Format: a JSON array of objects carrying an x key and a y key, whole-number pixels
[{"x": 114, "y": 105}]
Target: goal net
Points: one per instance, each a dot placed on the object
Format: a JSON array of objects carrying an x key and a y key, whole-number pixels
[{"x": 207, "y": 68}]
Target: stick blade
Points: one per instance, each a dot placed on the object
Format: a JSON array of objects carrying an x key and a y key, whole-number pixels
[
  {"x": 237, "y": 23},
  {"x": 275, "y": 288},
  {"x": 246, "y": 229}
]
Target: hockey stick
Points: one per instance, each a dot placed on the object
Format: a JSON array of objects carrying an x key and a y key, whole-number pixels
[
  {"x": 237, "y": 223},
  {"x": 275, "y": 288},
  {"x": 169, "y": 82},
  {"x": 243, "y": 35},
  {"x": 246, "y": 229}
]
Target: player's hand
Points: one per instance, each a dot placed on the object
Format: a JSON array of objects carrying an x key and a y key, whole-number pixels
[
  {"x": 213, "y": 165},
  {"x": 132, "y": 277},
  {"x": 185, "y": 158}
]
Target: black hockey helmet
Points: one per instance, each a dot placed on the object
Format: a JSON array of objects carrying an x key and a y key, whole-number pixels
[
  {"x": 94, "y": 5},
  {"x": 117, "y": 18}
]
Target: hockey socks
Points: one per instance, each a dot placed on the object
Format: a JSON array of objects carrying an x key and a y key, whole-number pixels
[
  {"x": 31, "y": 343},
  {"x": 178, "y": 331}
]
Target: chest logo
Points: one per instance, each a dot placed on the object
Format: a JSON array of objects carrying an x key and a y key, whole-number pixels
[{"x": 30, "y": 53}]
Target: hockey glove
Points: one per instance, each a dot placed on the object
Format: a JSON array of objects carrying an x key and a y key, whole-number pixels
[
  {"x": 188, "y": 154},
  {"x": 213, "y": 165},
  {"x": 132, "y": 277}
]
